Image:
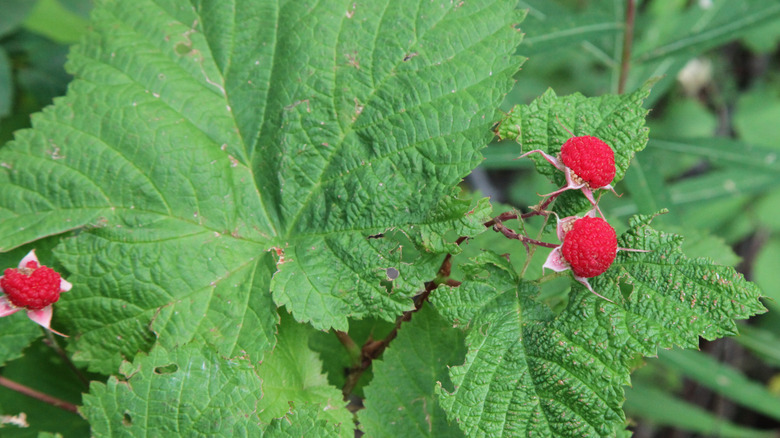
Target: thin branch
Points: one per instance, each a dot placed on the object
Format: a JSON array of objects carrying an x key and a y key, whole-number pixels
[
  {"x": 26, "y": 390},
  {"x": 628, "y": 38}
]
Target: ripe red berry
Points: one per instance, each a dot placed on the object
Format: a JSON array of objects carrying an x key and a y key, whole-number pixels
[
  {"x": 590, "y": 246},
  {"x": 590, "y": 159},
  {"x": 31, "y": 287}
]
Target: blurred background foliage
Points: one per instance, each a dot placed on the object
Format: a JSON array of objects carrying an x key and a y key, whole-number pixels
[{"x": 712, "y": 160}]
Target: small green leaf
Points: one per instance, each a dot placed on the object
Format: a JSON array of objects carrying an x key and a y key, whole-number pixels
[
  {"x": 14, "y": 12},
  {"x": 400, "y": 399},
  {"x": 547, "y": 122},
  {"x": 292, "y": 375},
  {"x": 17, "y": 331}
]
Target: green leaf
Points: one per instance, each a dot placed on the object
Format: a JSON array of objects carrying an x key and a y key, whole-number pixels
[
  {"x": 724, "y": 152},
  {"x": 379, "y": 146},
  {"x": 188, "y": 391},
  {"x": 51, "y": 19},
  {"x": 763, "y": 342},
  {"x": 547, "y": 122},
  {"x": 703, "y": 27},
  {"x": 529, "y": 371},
  {"x": 14, "y": 12},
  {"x": 550, "y": 27},
  {"x": 292, "y": 375},
  {"x": 765, "y": 268},
  {"x": 724, "y": 380},
  {"x": 663, "y": 409},
  {"x": 754, "y": 116},
  {"x": 303, "y": 421},
  {"x": 400, "y": 399},
  {"x": 17, "y": 331},
  {"x": 194, "y": 140},
  {"x": 675, "y": 36},
  {"x": 6, "y": 84}
]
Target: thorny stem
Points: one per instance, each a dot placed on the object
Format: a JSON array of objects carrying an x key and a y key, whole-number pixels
[
  {"x": 26, "y": 390},
  {"x": 628, "y": 38},
  {"x": 52, "y": 343}
]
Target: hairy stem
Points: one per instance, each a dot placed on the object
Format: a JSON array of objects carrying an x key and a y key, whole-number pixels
[{"x": 26, "y": 390}]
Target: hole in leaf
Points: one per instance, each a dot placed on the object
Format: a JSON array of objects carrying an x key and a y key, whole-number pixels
[
  {"x": 625, "y": 288},
  {"x": 167, "y": 369},
  {"x": 182, "y": 49},
  {"x": 127, "y": 420},
  {"x": 392, "y": 273}
]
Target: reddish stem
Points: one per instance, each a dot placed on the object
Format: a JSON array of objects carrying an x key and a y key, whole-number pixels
[{"x": 26, "y": 390}]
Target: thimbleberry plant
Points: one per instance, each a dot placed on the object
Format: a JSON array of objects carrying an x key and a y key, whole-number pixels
[{"x": 259, "y": 208}]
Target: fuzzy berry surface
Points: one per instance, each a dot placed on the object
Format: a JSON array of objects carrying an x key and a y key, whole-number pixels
[
  {"x": 590, "y": 246},
  {"x": 590, "y": 159},
  {"x": 32, "y": 290}
]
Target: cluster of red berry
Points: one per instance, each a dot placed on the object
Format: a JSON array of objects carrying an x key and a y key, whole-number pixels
[{"x": 588, "y": 244}]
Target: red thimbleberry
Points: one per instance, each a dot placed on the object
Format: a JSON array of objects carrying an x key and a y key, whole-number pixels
[
  {"x": 588, "y": 164},
  {"x": 590, "y": 159},
  {"x": 32, "y": 287},
  {"x": 590, "y": 246},
  {"x": 35, "y": 289}
]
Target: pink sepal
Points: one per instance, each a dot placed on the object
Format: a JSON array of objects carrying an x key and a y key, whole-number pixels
[
  {"x": 43, "y": 318},
  {"x": 6, "y": 308},
  {"x": 550, "y": 159},
  {"x": 584, "y": 282},
  {"x": 65, "y": 285},
  {"x": 30, "y": 257},
  {"x": 555, "y": 261}
]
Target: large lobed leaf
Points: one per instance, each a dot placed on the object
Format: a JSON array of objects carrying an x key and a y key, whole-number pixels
[
  {"x": 531, "y": 372},
  {"x": 212, "y": 155}
]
